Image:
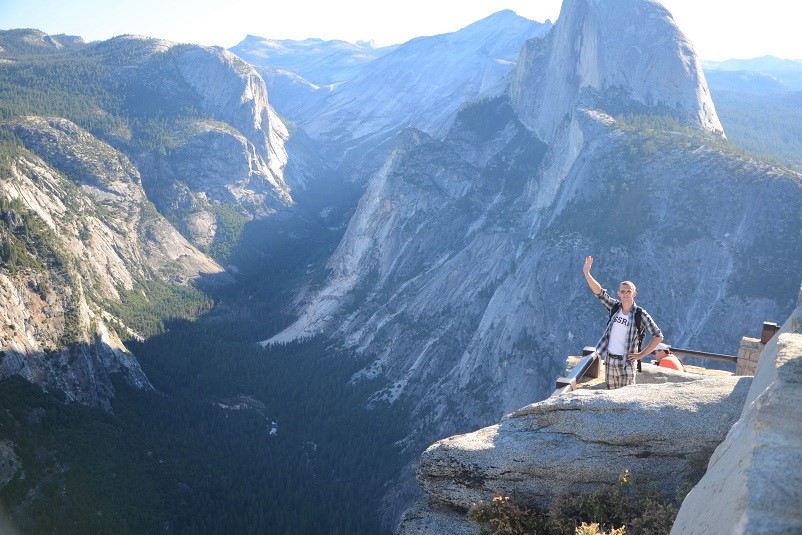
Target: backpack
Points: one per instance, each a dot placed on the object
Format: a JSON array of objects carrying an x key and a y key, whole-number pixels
[{"x": 639, "y": 326}]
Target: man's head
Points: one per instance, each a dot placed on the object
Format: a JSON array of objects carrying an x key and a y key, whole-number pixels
[
  {"x": 627, "y": 292},
  {"x": 661, "y": 351}
]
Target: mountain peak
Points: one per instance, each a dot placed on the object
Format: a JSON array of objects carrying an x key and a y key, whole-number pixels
[
  {"x": 506, "y": 19},
  {"x": 630, "y": 48}
]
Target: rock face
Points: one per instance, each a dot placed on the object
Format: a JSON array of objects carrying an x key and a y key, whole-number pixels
[
  {"x": 105, "y": 239},
  {"x": 144, "y": 240},
  {"x": 211, "y": 166},
  {"x": 290, "y": 93},
  {"x": 235, "y": 157},
  {"x": 753, "y": 483},
  {"x": 234, "y": 93}
]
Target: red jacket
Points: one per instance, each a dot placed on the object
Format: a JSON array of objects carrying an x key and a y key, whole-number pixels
[{"x": 672, "y": 362}]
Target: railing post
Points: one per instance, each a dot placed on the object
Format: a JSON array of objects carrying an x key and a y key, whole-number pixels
[
  {"x": 595, "y": 367},
  {"x": 769, "y": 330},
  {"x": 562, "y": 382}
]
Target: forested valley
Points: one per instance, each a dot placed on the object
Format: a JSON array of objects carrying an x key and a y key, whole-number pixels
[{"x": 235, "y": 438}]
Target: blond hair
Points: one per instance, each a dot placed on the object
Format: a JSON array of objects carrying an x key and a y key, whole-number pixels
[{"x": 630, "y": 284}]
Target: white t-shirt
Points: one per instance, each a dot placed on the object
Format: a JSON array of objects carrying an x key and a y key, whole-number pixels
[{"x": 618, "y": 334}]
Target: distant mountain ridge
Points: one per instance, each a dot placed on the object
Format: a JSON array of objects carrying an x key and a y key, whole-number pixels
[
  {"x": 762, "y": 76},
  {"x": 31, "y": 41},
  {"x": 760, "y": 102},
  {"x": 419, "y": 83},
  {"x": 318, "y": 61},
  {"x": 760, "y": 64}
]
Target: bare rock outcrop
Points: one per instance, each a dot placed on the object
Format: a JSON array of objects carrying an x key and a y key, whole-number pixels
[
  {"x": 753, "y": 483},
  {"x": 661, "y": 433}
]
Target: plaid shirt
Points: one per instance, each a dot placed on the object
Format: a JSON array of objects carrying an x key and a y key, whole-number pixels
[{"x": 632, "y": 331}]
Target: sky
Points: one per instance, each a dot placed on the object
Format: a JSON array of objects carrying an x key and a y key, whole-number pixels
[{"x": 718, "y": 29}]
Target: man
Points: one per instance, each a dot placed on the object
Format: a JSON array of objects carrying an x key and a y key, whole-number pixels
[
  {"x": 665, "y": 358},
  {"x": 620, "y": 344}
]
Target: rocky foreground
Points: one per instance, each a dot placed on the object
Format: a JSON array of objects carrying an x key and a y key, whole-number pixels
[{"x": 662, "y": 432}]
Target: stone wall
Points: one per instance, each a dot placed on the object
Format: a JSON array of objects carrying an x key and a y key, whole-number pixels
[{"x": 748, "y": 356}]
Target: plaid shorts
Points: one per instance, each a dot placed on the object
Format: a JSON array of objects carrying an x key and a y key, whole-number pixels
[{"x": 619, "y": 372}]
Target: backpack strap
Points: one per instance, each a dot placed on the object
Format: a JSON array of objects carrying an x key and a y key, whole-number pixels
[
  {"x": 614, "y": 311},
  {"x": 639, "y": 326}
]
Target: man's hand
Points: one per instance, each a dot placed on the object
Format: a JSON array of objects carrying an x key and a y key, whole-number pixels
[
  {"x": 652, "y": 344},
  {"x": 594, "y": 285},
  {"x": 588, "y": 264}
]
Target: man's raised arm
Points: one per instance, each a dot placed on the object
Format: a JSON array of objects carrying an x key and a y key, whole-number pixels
[{"x": 593, "y": 283}]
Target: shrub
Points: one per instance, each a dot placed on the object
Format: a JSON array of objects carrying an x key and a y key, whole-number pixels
[
  {"x": 503, "y": 516},
  {"x": 594, "y": 529},
  {"x": 627, "y": 507}
]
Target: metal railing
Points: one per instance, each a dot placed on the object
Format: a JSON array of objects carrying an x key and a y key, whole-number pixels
[
  {"x": 590, "y": 364},
  {"x": 703, "y": 355}
]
